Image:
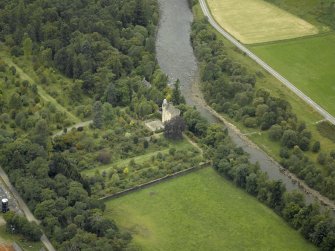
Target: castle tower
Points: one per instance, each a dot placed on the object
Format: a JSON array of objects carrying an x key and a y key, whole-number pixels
[{"x": 168, "y": 111}]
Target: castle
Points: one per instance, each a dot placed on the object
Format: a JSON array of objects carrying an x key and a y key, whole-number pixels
[{"x": 168, "y": 111}]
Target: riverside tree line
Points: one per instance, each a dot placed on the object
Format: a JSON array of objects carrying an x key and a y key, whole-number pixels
[
  {"x": 231, "y": 162},
  {"x": 229, "y": 88}
]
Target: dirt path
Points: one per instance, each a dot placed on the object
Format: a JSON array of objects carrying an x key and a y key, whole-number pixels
[{"x": 193, "y": 143}]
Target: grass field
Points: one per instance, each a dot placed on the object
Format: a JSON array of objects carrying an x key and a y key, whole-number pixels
[
  {"x": 313, "y": 11},
  {"x": 256, "y": 21},
  {"x": 202, "y": 211},
  {"x": 309, "y": 63},
  {"x": 276, "y": 88}
]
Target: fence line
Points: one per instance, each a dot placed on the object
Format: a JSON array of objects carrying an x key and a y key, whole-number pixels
[{"x": 156, "y": 181}]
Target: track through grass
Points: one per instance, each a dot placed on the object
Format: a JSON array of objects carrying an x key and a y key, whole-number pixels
[{"x": 202, "y": 211}]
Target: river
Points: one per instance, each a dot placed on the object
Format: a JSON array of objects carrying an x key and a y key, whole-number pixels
[{"x": 175, "y": 57}]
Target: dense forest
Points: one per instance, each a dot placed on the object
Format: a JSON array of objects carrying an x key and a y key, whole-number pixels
[
  {"x": 229, "y": 88},
  {"x": 107, "y": 49}
]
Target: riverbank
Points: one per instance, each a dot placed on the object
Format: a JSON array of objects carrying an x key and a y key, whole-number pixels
[{"x": 176, "y": 58}]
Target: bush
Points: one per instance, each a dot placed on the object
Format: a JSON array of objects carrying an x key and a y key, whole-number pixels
[
  {"x": 316, "y": 147},
  {"x": 172, "y": 151},
  {"x": 289, "y": 138},
  {"x": 250, "y": 122},
  {"x": 322, "y": 158},
  {"x": 20, "y": 225},
  {"x": 284, "y": 153},
  {"x": 275, "y": 132},
  {"x": 174, "y": 128},
  {"x": 104, "y": 157}
]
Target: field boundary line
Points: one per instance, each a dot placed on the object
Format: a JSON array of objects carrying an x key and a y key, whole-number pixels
[
  {"x": 264, "y": 65},
  {"x": 281, "y": 41},
  {"x": 156, "y": 181}
]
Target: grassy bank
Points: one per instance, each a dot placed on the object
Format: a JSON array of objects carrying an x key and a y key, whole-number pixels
[{"x": 202, "y": 211}]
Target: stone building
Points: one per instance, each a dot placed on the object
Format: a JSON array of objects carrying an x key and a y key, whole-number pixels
[{"x": 169, "y": 111}]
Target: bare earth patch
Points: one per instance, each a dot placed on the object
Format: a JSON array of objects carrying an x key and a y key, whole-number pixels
[
  {"x": 5, "y": 247},
  {"x": 256, "y": 21},
  {"x": 154, "y": 125}
]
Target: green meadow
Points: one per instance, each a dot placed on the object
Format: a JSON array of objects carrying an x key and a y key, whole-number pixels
[
  {"x": 202, "y": 211},
  {"x": 308, "y": 63}
]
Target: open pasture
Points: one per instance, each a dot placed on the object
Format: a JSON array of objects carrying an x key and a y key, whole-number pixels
[
  {"x": 257, "y": 21},
  {"x": 308, "y": 63},
  {"x": 202, "y": 211}
]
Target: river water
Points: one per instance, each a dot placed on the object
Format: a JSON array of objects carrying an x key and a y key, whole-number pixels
[{"x": 175, "y": 57}]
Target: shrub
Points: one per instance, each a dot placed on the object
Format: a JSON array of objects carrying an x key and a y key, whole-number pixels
[
  {"x": 316, "y": 147},
  {"x": 104, "y": 157},
  {"x": 275, "y": 132}
]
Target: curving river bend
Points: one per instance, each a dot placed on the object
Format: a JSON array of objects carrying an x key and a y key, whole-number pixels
[{"x": 175, "y": 57}]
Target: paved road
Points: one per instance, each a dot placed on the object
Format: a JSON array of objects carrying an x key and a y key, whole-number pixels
[
  {"x": 30, "y": 217},
  {"x": 264, "y": 65}
]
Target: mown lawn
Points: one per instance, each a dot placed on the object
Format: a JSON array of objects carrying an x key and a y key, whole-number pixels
[
  {"x": 202, "y": 211},
  {"x": 309, "y": 10},
  {"x": 308, "y": 63},
  {"x": 256, "y": 21}
]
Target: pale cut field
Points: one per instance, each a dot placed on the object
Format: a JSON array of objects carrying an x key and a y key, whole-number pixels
[{"x": 256, "y": 21}]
